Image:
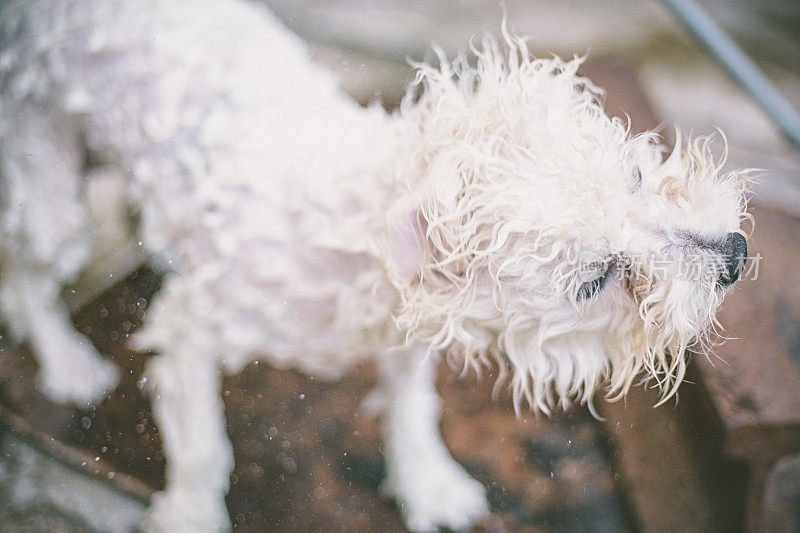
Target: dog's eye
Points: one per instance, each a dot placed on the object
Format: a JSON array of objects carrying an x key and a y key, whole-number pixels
[
  {"x": 637, "y": 175},
  {"x": 591, "y": 288}
]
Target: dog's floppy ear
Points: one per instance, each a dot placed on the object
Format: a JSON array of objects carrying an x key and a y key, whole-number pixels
[{"x": 407, "y": 239}]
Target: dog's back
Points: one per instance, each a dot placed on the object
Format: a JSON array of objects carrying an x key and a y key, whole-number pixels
[
  {"x": 231, "y": 143},
  {"x": 144, "y": 86}
]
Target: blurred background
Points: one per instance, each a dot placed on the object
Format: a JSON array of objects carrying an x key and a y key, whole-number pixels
[
  {"x": 725, "y": 457},
  {"x": 369, "y": 43}
]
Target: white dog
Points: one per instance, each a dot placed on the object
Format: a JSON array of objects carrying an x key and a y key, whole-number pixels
[{"x": 499, "y": 216}]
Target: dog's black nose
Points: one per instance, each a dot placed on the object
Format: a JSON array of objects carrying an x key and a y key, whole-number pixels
[{"x": 734, "y": 253}]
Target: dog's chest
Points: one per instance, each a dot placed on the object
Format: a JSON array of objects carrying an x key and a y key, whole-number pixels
[{"x": 283, "y": 264}]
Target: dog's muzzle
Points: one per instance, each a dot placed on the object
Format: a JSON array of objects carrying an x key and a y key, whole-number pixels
[{"x": 734, "y": 252}]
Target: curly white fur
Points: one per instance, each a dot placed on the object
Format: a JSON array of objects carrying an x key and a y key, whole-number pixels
[
  {"x": 500, "y": 215},
  {"x": 517, "y": 177}
]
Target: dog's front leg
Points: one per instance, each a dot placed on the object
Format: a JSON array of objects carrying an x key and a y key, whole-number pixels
[
  {"x": 432, "y": 490},
  {"x": 188, "y": 409}
]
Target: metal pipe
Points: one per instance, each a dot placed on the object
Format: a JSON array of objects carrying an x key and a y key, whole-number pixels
[{"x": 738, "y": 65}]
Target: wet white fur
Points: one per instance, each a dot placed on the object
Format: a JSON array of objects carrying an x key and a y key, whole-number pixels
[{"x": 312, "y": 233}]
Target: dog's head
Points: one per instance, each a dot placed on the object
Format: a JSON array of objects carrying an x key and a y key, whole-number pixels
[{"x": 536, "y": 231}]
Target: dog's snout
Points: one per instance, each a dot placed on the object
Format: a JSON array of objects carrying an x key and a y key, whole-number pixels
[{"x": 734, "y": 253}]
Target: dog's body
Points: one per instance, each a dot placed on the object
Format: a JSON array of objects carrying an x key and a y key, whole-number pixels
[{"x": 313, "y": 233}]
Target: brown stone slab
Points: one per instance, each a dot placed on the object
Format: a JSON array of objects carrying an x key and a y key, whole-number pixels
[
  {"x": 658, "y": 474},
  {"x": 754, "y": 382}
]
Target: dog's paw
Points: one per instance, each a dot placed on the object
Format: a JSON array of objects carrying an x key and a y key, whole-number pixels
[
  {"x": 431, "y": 496},
  {"x": 187, "y": 511},
  {"x": 374, "y": 403},
  {"x": 81, "y": 376}
]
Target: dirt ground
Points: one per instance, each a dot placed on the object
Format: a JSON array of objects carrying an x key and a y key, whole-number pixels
[{"x": 308, "y": 457}]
